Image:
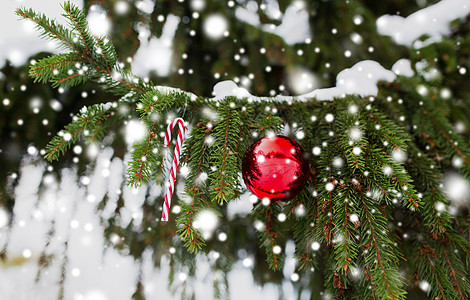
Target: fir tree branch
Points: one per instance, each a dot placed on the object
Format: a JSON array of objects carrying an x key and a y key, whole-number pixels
[
  {"x": 397, "y": 139},
  {"x": 51, "y": 30},
  {"x": 48, "y": 68},
  {"x": 304, "y": 234},
  {"x": 107, "y": 51},
  {"x": 71, "y": 80},
  {"x": 221, "y": 186},
  {"x": 197, "y": 158},
  {"x": 372, "y": 292},
  {"x": 381, "y": 262},
  {"x": 346, "y": 250},
  {"x": 79, "y": 23},
  {"x": 453, "y": 273},
  {"x": 91, "y": 118},
  {"x": 429, "y": 180},
  {"x": 140, "y": 167},
  {"x": 226, "y": 135},
  {"x": 118, "y": 80},
  {"x": 451, "y": 142},
  {"x": 430, "y": 253},
  {"x": 154, "y": 102},
  {"x": 345, "y": 247},
  {"x": 270, "y": 234}
]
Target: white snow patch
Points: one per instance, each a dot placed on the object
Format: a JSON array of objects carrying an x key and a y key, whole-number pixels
[
  {"x": 247, "y": 16},
  {"x": 294, "y": 27},
  {"x": 145, "y": 6},
  {"x": 4, "y": 218},
  {"x": 403, "y": 67},
  {"x": 27, "y": 232},
  {"x": 228, "y": 88},
  {"x": 433, "y": 21},
  {"x": 98, "y": 21},
  {"x": 272, "y": 9},
  {"x": 361, "y": 79},
  {"x": 290, "y": 262},
  {"x": 457, "y": 188},
  {"x": 241, "y": 285},
  {"x": 206, "y": 221},
  {"x": 155, "y": 54},
  {"x": 241, "y": 207},
  {"x": 19, "y": 39},
  {"x": 134, "y": 131}
]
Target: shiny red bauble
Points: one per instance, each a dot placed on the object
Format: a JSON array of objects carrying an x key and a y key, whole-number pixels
[{"x": 275, "y": 168}]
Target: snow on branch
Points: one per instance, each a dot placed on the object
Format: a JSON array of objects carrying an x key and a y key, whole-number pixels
[
  {"x": 433, "y": 21},
  {"x": 361, "y": 79}
]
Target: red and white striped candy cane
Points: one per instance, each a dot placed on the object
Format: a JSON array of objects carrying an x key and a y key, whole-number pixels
[{"x": 174, "y": 167}]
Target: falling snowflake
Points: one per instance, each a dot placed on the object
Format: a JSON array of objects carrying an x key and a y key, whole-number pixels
[{"x": 215, "y": 26}]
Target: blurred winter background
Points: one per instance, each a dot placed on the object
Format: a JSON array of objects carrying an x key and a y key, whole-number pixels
[
  {"x": 53, "y": 239},
  {"x": 65, "y": 209}
]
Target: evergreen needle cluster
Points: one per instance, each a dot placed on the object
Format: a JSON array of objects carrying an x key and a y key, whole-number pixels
[{"x": 378, "y": 167}]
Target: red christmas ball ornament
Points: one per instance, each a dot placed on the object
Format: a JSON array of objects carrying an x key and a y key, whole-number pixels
[{"x": 275, "y": 168}]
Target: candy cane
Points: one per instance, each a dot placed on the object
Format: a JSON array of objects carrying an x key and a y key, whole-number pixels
[{"x": 174, "y": 166}]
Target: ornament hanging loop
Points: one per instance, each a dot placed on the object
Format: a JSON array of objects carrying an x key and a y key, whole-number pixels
[{"x": 170, "y": 186}]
